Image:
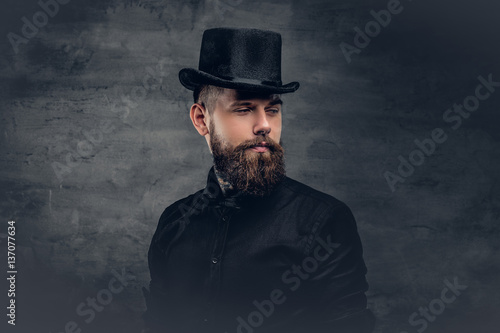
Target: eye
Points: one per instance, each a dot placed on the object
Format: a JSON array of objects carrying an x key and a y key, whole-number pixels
[
  {"x": 273, "y": 110},
  {"x": 242, "y": 110}
]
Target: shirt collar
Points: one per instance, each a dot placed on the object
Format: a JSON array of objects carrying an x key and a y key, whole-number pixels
[{"x": 213, "y": 192}]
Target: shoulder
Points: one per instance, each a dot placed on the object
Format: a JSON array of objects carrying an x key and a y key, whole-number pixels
[
  {"x": 179, "y": 209},
  {"x": 322, "y": 201},
  {"x": 322, "y": 213}
]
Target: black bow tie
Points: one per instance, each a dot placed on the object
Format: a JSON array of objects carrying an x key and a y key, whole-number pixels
[{"x": 226, "y": 202}]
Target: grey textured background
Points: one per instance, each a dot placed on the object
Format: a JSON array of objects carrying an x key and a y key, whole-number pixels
[{"x": 343, "y": 128}]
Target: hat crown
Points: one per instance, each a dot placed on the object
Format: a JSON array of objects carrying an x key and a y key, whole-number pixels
[
  {"x": 243, "y": 59},
  {"x": 241, "y": 54}
]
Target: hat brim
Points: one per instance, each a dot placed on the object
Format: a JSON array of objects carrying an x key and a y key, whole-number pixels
[{"x": 192, "y": 78}]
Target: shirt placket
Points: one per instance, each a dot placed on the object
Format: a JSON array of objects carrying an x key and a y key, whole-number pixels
[{"x": 216, "y": 260}]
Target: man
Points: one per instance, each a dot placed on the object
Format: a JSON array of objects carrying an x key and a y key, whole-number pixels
[{"x": 254, "y": 251}]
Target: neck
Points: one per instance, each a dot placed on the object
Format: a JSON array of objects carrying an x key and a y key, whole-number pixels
[{"x": 225, "y": 185}]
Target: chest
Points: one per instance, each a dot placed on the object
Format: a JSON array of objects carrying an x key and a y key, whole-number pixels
[{"x": 229, "y": 248}]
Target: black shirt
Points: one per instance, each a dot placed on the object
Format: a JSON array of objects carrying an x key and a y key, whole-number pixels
[{"x": 288, "y": 262}]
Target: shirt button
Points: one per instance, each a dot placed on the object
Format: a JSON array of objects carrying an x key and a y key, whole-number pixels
[
  {"x": 215, "y": 260},
  {"x": 224, "y": 218}
]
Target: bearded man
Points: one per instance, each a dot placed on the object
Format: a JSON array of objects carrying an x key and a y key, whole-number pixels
[{"x": 254, "y": 251}]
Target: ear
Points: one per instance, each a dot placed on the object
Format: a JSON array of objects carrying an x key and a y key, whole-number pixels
[{"x": 200, "y": 118}]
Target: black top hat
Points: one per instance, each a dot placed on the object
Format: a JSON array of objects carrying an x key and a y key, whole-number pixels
[{"x": 243, "y": 59}]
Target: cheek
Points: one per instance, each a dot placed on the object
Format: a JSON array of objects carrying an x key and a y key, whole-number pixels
[
  {"x": 276, "y": 130},
  {"x": 227, "y": 136},
  {"x": 236, "y": 131}
]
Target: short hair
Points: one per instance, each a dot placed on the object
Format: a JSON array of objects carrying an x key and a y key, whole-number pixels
[{"x": 206, "y": 95}]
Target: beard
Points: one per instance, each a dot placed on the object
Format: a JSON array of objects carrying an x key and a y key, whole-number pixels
[{"x": 253, "y": 173}]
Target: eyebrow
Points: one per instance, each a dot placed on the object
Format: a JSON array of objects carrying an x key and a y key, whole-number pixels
[{"x": 277, "y": 101}]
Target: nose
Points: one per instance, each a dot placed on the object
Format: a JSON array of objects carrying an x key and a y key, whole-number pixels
[{"x": 262, "y": 126}]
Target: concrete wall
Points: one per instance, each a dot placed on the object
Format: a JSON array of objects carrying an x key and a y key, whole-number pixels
[{"x": 96, "y": 142}]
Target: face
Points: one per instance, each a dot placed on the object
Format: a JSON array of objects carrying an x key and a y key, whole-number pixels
[
  {"x": 244, "y": 138},
  {"x": 241, "y": 116}
]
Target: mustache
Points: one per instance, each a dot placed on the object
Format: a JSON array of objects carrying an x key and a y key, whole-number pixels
[{"x": 267, "y": 141}]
